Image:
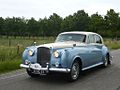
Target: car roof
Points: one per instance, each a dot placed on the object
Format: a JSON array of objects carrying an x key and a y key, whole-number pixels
[{"x": 79, "y": 32}]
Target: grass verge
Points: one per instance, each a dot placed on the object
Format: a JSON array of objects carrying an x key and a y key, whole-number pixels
[
  {"x": 7, "y": 66},
  {"x": 11, "y": 51},
  {"x": 112, "y": 44}
]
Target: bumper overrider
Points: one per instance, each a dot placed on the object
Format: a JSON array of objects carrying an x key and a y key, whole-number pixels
[{"x": 38, "y": 67}]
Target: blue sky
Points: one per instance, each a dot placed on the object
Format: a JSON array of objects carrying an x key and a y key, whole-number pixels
[{"x": 41, "y": 8}]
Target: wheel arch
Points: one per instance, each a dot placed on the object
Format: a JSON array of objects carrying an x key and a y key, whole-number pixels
[
  {"x": 106, "y": 52},
  {"x": 77, "y": 58}
]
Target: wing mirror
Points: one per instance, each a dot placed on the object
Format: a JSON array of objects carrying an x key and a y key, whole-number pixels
[{"x": 74, "y": 45}]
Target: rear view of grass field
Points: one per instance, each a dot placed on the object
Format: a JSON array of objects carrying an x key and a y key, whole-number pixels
[{"x": 11, "y": 50}]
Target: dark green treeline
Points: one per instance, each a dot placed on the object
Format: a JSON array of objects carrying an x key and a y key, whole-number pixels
[{"x": 107, "y": 25}]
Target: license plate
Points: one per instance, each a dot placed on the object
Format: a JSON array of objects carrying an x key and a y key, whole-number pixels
[
  {"x": 41, "y": 72},
  {"x": 36, "y": 72}
]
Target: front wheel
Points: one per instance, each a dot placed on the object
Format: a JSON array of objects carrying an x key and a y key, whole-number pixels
[{"x": 75, "y": 71}]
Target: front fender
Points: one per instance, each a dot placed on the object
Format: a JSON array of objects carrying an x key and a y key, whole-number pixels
[
  {"x": 71, "y": 55},
  {"x": 77, "y": 57},
  {"x": 66, "y": 58},
  {"x": 26, "y": 56},
  {"x": 61, "y": 61}
]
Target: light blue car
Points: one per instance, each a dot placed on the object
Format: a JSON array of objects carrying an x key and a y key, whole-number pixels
[{"x": 71, "y": 53}]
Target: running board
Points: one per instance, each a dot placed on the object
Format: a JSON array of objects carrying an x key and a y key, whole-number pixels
[{"x": 92, "y": 66}]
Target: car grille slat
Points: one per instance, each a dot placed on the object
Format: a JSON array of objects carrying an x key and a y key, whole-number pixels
[{"x": 43, "y": 56}]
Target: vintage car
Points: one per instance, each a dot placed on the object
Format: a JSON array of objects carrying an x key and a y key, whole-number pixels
[{"x": 71, "y": 53}]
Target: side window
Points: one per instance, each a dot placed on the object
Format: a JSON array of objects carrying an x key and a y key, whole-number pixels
[
  {"x": 98, "y": 39},
  {"x": 91, "y": 39}
]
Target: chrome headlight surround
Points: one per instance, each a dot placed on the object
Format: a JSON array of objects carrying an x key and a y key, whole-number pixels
[
  {"x": 31, "y": 52},
  {"x": 56, "y": 54}
]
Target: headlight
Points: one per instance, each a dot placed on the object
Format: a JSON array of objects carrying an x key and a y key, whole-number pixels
[
  {"x": 31, "y": 52},
  {"x": 56, "y": 54}
]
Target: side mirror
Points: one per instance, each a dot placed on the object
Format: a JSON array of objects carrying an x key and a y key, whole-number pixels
[
  {"x": 74, "y": 45},
  {"x": 34, "y": 43}
]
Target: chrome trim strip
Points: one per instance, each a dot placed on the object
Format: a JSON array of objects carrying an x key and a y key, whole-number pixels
[
  {"x": 60, "y": 69},
  {"x": 92, "y": 66},
  {"x": 38, "y": 67}
]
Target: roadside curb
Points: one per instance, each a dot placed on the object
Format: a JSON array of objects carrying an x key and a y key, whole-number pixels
[{"x": 15, "y": 72}]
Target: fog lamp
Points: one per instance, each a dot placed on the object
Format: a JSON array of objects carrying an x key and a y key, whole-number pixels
[{"x": 27, "y": 62}]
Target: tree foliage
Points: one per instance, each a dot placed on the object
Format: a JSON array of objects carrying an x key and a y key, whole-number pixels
[{"x": 108, "y": 25}]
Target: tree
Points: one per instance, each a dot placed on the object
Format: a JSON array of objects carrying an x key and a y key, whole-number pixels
[
  {"x": 32, "y": 27},
  {"x": 112, "y": 21},
  {"x": 1, "y": 25},
  {"x": 96, "y": 23},
  {"x": 108, "y": 25},
  {"x": 67, "y": 24},
  {"x": 81, "y": 21},
  {"x": 43, "y": 27},
  {"x": 54, "y": 24}
]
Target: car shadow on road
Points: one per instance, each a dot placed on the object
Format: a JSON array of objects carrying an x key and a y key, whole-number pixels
[{"x": 61, "y": 79}]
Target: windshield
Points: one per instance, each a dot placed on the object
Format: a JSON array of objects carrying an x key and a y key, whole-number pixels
[{"x": 71, "y": 37}]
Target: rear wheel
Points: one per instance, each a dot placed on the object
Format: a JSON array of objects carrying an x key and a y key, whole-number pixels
[
  {"x": 106, "y": 61},
  {"x": 29, "y": 72},
  {"x": 74, "y": 73}
]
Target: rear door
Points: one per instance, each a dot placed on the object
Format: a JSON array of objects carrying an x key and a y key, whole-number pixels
[
  {"x": 98, "y": 46},
  {"x": 95, "y": 52}
]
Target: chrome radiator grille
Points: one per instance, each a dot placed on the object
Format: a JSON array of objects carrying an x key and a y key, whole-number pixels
[{"x": 43, "y": 56}]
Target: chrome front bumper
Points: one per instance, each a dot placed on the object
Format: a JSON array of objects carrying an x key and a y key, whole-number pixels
[{"x": 38, "y": 67}]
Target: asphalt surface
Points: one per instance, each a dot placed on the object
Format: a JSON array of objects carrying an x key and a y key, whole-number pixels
[{"x": 94, "y": 79}]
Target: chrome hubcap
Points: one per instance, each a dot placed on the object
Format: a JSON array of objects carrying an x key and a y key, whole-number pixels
[
  {"x": 106, "y": 61},
  {"x": 75, "y": 71}
]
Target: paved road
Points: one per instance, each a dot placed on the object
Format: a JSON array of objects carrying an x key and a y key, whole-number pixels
[{"x": 95, "y": 79}]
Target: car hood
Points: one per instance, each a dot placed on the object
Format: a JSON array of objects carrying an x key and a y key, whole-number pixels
[{"x": 62, "y": 45}]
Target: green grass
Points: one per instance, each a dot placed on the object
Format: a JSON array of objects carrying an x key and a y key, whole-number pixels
[
  {"x": 10, "y": 53},
  {"x": 24, "y": 42},
  {"x": 9, "y": 58},
  {"x": 6, "y": 66},
  {"x": 112, "y": 44},
  {"x": 11, "y": 50}
]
